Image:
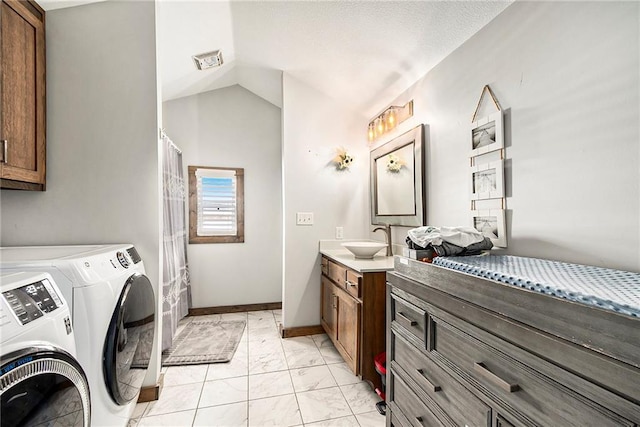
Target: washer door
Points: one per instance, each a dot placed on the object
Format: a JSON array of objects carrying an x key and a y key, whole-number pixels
[
  {"x": 129, "y": 341},
  {"x": 43, "y": 386}
]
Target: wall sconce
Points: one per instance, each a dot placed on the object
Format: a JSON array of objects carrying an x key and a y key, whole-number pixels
[{"x": 389, "y": 119}]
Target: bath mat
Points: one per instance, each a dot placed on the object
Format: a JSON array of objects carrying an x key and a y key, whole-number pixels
[{"x": 204, "y": 341}]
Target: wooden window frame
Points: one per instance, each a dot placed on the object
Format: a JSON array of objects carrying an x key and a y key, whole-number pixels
[{"x": 193, "y": 208}]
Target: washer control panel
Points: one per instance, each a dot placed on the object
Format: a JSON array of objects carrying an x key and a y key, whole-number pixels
[{"x": 29, "y": 302}]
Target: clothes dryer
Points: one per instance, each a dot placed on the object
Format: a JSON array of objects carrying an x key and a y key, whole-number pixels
[
  {"x": 113, "y": 313},
  {"x": 41, "y": 381}
]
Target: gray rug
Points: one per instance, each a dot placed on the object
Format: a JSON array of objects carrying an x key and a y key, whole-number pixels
[{"x": 204, "y": 341}]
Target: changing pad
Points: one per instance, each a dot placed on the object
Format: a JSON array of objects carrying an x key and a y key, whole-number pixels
[{"x": 606, "y": 288}]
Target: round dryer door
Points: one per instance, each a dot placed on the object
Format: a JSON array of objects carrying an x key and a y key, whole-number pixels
[
  {"x": 129, "y": 341},
  {"x": 43, "y": 386}
]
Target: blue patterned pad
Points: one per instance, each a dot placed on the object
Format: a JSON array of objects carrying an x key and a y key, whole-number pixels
[{"x": 609, "y": 289}]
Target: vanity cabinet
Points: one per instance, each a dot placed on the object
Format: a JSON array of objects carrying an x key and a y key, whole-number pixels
[
  {"x": 458, "y": 358},
  {"x": 22, "y": 93},
  {"x": 352, "y": 315}
]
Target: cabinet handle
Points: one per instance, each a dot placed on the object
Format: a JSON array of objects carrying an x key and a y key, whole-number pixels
[
  {"x": 350, "y": 284},
  {"x": 481, "y": 369},
  {"x": 5, "y": 150},
  {"x": 400, "y": 316},
  {"x": 335, "y": 297},
  {"x": 434, "y": 388}
]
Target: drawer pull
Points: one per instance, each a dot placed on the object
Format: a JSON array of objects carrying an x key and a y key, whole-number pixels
[
  {"x": 350, "y": 284},
  {"x": 5, "y": 149},
  {"x": 481, "y": 369},
  {"x": 434, "y": 388},
  {"x": 408, "y": 320}
]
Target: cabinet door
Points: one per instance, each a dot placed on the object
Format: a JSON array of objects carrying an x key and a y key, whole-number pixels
[
  {"x": 22, "y": 87},
  {"x": 328, "y": 307},
  {"x": 348, "y": 328}
]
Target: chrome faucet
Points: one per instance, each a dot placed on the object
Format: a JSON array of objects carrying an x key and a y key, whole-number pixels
[{"x": 387, "y": 233}]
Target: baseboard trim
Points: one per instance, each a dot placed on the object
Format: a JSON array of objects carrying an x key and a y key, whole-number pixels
[
  {"x": 300, "y": 331},
  {"x": 203, "y": 311},
  {"x": 151, "y": 393}
]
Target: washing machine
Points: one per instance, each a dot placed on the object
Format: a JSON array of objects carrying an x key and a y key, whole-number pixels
[
  {"x": 113, "y": 313},
  {"x": 41, "y": 381}
]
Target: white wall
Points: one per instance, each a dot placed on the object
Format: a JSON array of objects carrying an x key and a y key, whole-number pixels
[
  {"x": 232, "y": 127},
  {"x": 568, "y": 73},
  {"x": 102, "y": 145},
  {"x": 314, "y": 126}
]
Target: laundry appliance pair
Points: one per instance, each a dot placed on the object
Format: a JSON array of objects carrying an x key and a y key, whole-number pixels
[{"x": 113, "y": 316}]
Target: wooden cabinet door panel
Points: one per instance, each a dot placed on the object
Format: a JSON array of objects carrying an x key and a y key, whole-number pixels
[
  {"x": 328, "y": 307},
  {"x": 22, "y": 83},
  {"x": 348, "y": 327}
]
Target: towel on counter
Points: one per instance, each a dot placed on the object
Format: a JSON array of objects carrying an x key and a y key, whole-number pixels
[{"x": 448, "y": 241}]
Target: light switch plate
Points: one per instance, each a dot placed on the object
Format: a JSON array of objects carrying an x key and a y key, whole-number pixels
[{"x": 304, "y": 218}]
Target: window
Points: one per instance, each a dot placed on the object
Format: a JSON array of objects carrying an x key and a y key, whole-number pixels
[{"x": 216, "y": 205}]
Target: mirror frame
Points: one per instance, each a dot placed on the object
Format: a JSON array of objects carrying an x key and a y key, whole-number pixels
[{"x": 415, "y": 136}]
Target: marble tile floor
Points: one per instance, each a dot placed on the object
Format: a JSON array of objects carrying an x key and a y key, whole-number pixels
[{"x": 270, "y": 381}]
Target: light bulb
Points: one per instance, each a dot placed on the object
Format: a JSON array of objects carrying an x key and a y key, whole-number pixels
[
  {"x": 380, "y": 125},
  {"x": 391, "y": 118},
  {"x": 372, "y": 132}
]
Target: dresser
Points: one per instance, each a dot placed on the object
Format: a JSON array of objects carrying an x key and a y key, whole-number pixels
[{"x": 469, "y": 351}]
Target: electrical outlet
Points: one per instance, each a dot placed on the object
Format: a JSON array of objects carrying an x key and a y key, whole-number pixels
[
  {"x": 304, "y": 218},
  {"x": 339, "y": 232}
]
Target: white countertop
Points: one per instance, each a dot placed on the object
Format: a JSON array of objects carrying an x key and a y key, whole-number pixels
[{"x": 334, "y": 250}]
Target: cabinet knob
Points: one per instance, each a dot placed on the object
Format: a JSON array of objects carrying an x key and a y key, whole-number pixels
[{"x": 5, "y": 145}]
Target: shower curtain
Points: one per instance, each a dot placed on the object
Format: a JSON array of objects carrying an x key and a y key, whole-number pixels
[{"x": 176, "y": 290}]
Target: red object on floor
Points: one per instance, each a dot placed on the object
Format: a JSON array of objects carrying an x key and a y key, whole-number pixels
[{"x": 380, "y": 362}]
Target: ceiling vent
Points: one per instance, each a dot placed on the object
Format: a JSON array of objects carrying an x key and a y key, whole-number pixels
[{"x": 208, "y": 60}]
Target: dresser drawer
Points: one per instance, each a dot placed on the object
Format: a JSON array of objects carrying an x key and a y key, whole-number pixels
[
  {"x": 458, "y": 402},
  {"x": 413, "y": 411},
  {"x": 512, "y": 383},
  {"x": 353, "y": 283},
  {"x": 337, "y": 273},
  {"x": 410, "y": 317}
]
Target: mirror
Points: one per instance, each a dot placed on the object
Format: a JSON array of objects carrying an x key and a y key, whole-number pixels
[{"x": 397, "y": 191}]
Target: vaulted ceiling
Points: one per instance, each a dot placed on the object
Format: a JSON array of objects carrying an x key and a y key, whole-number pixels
[{"x": 361, "y": 53}]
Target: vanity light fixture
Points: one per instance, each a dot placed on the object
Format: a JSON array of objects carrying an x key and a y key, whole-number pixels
[
  {"x": 208, "y": 60},
  {"x": 389, "y": 119}
]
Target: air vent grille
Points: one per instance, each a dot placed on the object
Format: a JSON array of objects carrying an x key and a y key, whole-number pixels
[{"x": 208, "y": 60}]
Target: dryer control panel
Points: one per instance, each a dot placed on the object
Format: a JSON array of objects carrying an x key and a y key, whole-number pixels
[{"x": 31, "y": 301}]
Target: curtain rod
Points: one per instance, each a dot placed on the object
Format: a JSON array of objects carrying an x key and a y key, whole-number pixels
[{"x": 163, "y": 135}]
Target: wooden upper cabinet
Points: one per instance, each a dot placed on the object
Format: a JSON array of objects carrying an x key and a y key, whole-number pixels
[{"x": 22, "y": 93}]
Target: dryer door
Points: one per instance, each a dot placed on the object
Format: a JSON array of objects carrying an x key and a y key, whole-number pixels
[
  {"x": 129, "y": 341},
  {"x": 43, "y": 386}
]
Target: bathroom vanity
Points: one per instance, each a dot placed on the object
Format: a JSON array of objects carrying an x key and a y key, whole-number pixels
[{"x": 353, "y": 308}]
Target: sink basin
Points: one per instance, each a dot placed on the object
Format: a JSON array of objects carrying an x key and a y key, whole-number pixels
[{"x": 364, "y": 250}]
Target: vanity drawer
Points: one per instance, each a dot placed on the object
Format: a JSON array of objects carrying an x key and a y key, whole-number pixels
[
  {"x": 337, "y": 273},
  {"x": 409, "y": 317},
  {"x": 353, "y": 283},
  {"x": 324, "y": 266},
  {"x": 458, "y": 402},
  {"x": 412, "y": 409},
  {"x": 513, "y": 383}
]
